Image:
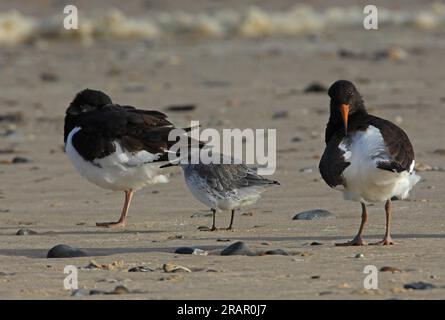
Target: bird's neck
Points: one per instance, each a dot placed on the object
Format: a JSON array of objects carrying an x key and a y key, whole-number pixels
[{"x": 335, "y": 123}]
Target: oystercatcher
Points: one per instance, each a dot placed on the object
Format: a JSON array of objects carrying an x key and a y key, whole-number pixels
[
  {"x": 224, "y": 187},
  {"x": 116, "y": 147},
  {"x": 371, "y": 158}
]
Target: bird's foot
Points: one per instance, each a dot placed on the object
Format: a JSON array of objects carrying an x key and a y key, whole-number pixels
[
  {"x": 229, "y": 228},
  {"x": 112, "y": 225},
  {"x": 387, "y": 241},
  {"x": 357, "y": 241}
]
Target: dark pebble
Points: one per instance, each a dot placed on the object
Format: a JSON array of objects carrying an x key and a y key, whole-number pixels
[
  {"x": 280, "y": 115},
  {"x": 237, "y": 249},
  {"x": 419, "y": 285},
  {"x": 296, "y": 139},
  {"x": 313, "y": 214},
  {"x": 14, "y": 117},
  {"x": 315, "y": 87},
  {"x": 65, "y": 251},
  {"x": 278, "y": 252},
  {"x": 141, "y": 269},
  {"x": 181, "y": 108},
  {"x": 25, "y": 232},
  {"x": 185, "y": 250},
  {"x": 49, "y": 77},
  {"x": 20, "y": 160},
  {"x": 315, "y": 243}
]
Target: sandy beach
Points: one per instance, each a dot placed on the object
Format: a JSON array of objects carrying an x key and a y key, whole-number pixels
[{"x": 234, "y": 82}]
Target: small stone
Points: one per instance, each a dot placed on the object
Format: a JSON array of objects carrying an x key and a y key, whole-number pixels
[
  {"x": 204, "y": 228},
  {"x": 247, "y": 214},
  {"x": 359, "y": 256},
  {"x": 390, "y": 269},
  {"x": 181, "y": 108},
  {"x": 65, "y": 251},
  {"x": 280, "y": 115},
  {"x": 120, "y": 290},
  {"x": 315, "y": 243},
  {"x": 172, "y": 268},
  {"x": 315, "y": 87},
  {"x": 237, "y": 249},
  {"x": 313, "y": 214},
  {"x": 188, "y": 250},
  {"x": 25, "y": 232},
  {"x": 315, "y": 277},
  {"x": 16, "y": 160},
  {"x": 296, "y": 139},
  {"x": 141, "y": 269},
  {"x": 79, "y": 293},
  {"x": 223, "y": 240},
  {"x": 49, "y": 77},
  {"x": 279, "y": 252},
  {"x": 306, "y": 170},
  {"x": 419, "y": 285}
]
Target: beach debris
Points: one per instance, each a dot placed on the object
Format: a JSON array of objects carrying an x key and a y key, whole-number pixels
[
  {"x": 440, "y": 152},
  {"x": 306, "y": 170},
  {"x": 393, "y": 53},
  {"x": 173, "y": 268},
  {"x": 420, "y": 285},
  {"x": 315, "y": 243},
  {"x": 12, "y": 117},
  {"x": 20, "y": 160},
  {"x": 359, "y": 256},
  {"x": 204, "y": 228},
  {"x": 278, "y": 252},
  {"x": 188, "y": 250},
  {"x": 141, "y": 269},
  {"x": 25, "y": 232},
  {"x": 115, "y": 265},
  {"x": 223, "y": 240},
  {"x": 82, "y": 292},
  {"x": 181, "y": 107},
  {"x": 315, "y": 87},
  {"x": 296, "y": 139},
  {"x": 237, "y": 249},
  {"x": 48, "y": 76},
  {"x": 390, "y": 269},
  {"x": 65, "y": 251},
  {"x": 313, "y": 214},
  {"x": 280, "y": 115}
]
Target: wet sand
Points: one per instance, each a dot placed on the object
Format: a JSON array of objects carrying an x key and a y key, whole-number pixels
[{"x": 235, "y": 83}]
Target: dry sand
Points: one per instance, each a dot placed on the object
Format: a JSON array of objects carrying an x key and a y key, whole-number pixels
[{"x": 237, "y": 83}]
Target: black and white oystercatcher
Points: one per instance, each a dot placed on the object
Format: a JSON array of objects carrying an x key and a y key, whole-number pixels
[
  {"x": 224, "y": 187},
  {"x": 371, "y": 158},
  {"x": 116, "y": 147}
]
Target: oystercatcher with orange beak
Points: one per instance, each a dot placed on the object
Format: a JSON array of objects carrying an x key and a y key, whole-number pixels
[{"x": 369, "y": 158}]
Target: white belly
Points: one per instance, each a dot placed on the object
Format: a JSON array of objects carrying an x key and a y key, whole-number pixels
[
  {"x": 364, "y": 181},
  {"x": 119, "y": 171}
]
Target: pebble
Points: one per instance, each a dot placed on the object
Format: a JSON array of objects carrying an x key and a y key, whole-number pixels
[
  {"x": 439, "y": 152},
  {"x": 172, "y": 268},
  {"x": 359, "y": 256},
  {"x": 315, "y": 87},
  {"x": 390, "y": 269},
  {"x": 181, "y": 107},
  {"x": 25, "y": 232},
  {"x": 223, "y": 240},
  {"x": 315, "y": 243},
  {"x": 419, "y": 285},
  {"x": 204, "y": 228},
  {"x": 141, "y": 269},
  {"x": 279, "y": 252},
  {"x": 188, "y": 250},
  {"x": 49, "y": 77},
  {"x": 296, "y": 139},
  {"x": 16, "y": 160},
  {"x": 65, "y": 251},
  {"x": 237, "y": 249},
  {"x": 80, "y": 293},
  {"x": 280, "y": 115},
  {"x": 306, "y": 170},
  {"x": 313, "y": 214}
]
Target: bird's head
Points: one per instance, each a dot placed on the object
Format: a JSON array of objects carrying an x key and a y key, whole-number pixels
[
  {"x": 345, "y": 101},
  {"x": 86, "y": 101}
]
